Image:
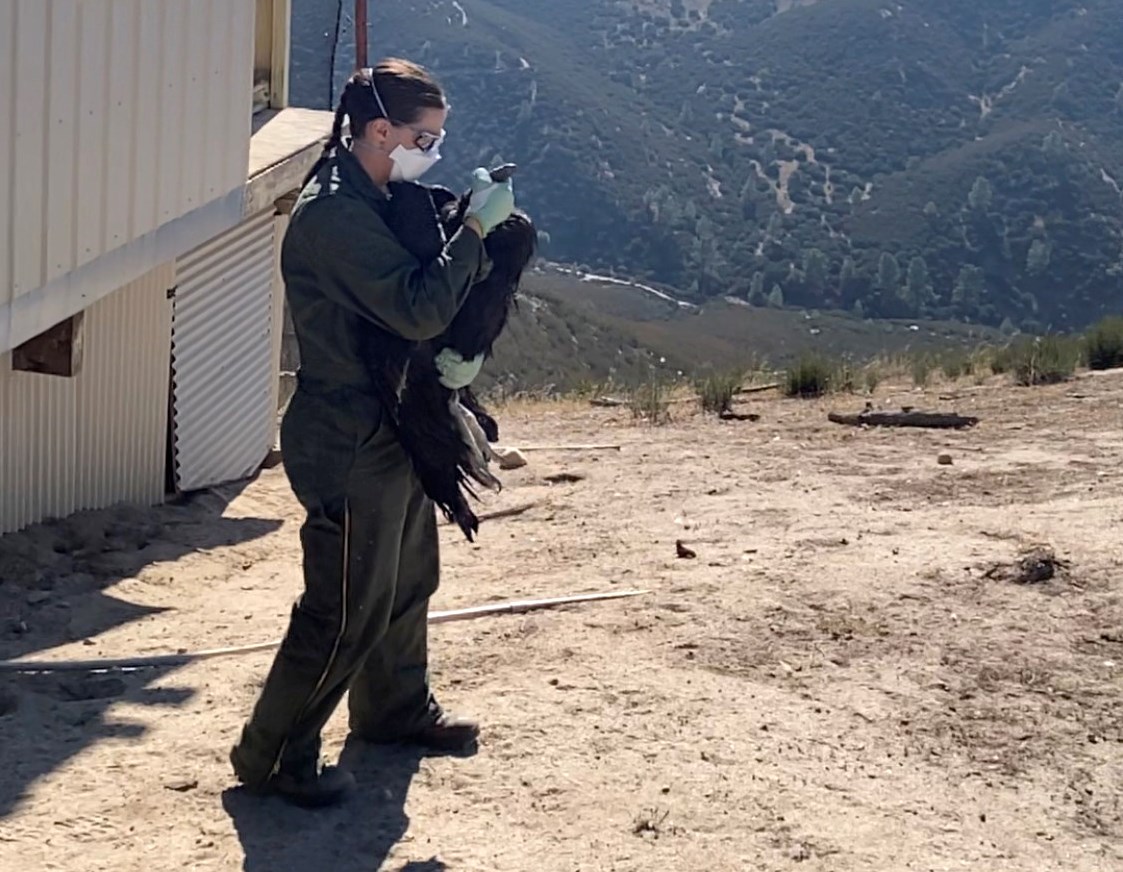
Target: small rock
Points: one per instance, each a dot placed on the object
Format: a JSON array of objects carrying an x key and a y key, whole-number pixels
[
  {"x": 509, "y": 458},
  {"x": 683, "y": 552},
  {"x": 944, "y": 460},
  {"x": 36, "y": 597},
  {"x": 181, "y": 785}
]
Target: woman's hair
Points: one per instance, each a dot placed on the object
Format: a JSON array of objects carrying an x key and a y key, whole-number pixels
[{"x": 405, "y": 90}]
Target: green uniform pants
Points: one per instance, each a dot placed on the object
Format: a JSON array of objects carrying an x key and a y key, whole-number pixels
[{"x": 371, "y": 563}]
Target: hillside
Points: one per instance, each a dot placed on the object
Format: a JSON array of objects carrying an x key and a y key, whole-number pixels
[
  {"x": 572, "y": 330},
  {"x": 952, "y": 160}
]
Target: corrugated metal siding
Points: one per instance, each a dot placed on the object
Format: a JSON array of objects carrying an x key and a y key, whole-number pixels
[
  {"x": 223, "y": 365},
  {"x": 87, "y": 442},
  {"x": 140, "y": 110}
]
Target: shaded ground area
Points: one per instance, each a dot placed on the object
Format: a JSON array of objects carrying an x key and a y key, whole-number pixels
[
  {"x": 67, "y": 583},
  {"x": 856, "y": 671}
]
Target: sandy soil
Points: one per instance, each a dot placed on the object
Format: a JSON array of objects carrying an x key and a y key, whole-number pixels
[{"x": 837, "y": 681}]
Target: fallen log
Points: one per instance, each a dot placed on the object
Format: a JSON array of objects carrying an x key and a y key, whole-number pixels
[{"x": 935, "y": 420}]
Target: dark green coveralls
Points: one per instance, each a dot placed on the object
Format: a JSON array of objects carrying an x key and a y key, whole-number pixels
[{"x": 371, "y": 559}]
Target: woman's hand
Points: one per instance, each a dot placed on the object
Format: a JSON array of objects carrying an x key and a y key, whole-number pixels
[{"x": 491, "y": 202}]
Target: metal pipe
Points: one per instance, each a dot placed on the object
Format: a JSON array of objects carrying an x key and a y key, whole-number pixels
[
  {"x": 508, "y": 608},
  {"x": 360, "y": 34}
]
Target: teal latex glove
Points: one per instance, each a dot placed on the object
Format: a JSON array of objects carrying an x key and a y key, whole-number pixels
[
  {"x": 491, "y": 202},
  {"x": 455, "y": 371}
]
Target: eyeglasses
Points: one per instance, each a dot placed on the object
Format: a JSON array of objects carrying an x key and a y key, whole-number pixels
[{"x": 425, "y": 140}]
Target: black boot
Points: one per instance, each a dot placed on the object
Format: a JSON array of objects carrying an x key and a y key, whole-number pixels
[
  {"x": 440, "y": 731},
  {"x": 447, "y": 733},
  {"x": 307, "y": 785}
]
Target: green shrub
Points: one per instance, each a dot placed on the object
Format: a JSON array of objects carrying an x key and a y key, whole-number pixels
[
  {"x": 956, "y": 364},
  {"x": 921, "y": 370},
  {"x": 844, "y": 378},
  {"x": 587, "y": 388},
  {"x": 809, "y": 378},
  {"x": 1002, "y": 360},
  {"x": 980, "y": 363},
  {"x": 872, "y": 377},
  {"x": 651, "y": 402},
  {"x": 716, "y": 391},
  {"x": 1044, "y": 360},
  {"x": 1103, "y": 344}
]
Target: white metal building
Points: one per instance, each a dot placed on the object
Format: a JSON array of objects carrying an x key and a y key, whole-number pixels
[{"x": 143, "y": 148}]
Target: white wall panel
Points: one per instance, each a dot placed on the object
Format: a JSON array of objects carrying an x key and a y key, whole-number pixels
[
  {"x": 7, "y": 144},
  {"x": 224, "y": 356},
  {"x": 99, "y": 438},
  {"x": 26, "y": 162},
  {"x": 61, "y": 181},
  {"x": 139, "y": 108}
]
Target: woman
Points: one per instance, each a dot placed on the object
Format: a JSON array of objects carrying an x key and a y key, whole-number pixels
[{"x": 370, "y": 546}]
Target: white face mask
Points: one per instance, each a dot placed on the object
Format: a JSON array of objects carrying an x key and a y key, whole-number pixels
[{"x": 410, "y": 164}]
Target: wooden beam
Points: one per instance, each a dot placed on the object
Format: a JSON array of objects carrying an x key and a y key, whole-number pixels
[
  {"x": 281, "y": 54},
  {"x": 284, "y": 146},
  {"x": 56, "y": 351}
]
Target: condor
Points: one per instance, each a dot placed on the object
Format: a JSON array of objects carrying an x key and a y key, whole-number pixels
[{"x": 446, "y": 432}]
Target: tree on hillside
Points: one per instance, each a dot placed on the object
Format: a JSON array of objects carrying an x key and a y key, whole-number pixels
[
  {"x": 756, "y": 290},
  {"x": 1037, "y": 259},
  {"x": 748, "y": 199},
  {"x": 981, "y": 196},
  {"x": 776, "y": 298},
  {"x": 815, "y": 272},
  {"x": 848, "y": 278},
  {"x": 1053, "y": 144},
  {"x": 968, "y": 291},
  {"x": 888, "y": 274},
  {"x": 918, "y": 284}
]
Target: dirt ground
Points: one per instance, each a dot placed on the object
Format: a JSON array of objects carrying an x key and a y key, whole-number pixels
[{"x": 844, "y": 677}]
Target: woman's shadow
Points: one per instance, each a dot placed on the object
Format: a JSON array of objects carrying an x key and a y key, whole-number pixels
[{"x": 354, "y": 837}]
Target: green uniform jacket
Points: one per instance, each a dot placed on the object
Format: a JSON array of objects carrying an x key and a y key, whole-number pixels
[{"x": 344, "y": 270}]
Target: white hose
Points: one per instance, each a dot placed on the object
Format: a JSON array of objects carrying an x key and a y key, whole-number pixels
[{"x": 467, "y": 614}]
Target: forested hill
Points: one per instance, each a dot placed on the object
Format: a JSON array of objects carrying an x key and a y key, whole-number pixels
[{"x": 959, "y": 158}]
